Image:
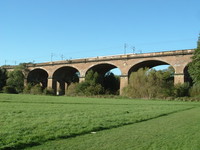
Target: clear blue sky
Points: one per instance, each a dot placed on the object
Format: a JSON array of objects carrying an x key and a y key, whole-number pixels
[{"x": 32, "y": 30}]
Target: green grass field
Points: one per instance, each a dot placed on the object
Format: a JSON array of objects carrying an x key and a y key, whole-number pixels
[{"x": 48, "y": 122}]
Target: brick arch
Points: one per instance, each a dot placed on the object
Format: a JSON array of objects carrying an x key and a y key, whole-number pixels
[
  {"x": 38, "y": 76},
  {"x": 109, "y": 81},
  {"x": 147, "y": 63},
  {"x": 70, "y": 68},
  {"x": 55, "y": 68},
  {"x": 63, "y": 77},
  {"x": 42, "y": 68},
  {"x": 102, "y": 68}
]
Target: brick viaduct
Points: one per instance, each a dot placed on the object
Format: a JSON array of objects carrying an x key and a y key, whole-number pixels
[{"x": 54, "y": 74}]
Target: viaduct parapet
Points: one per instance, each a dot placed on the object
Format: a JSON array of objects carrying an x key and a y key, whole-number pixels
[{"x": 57, "y": 74}]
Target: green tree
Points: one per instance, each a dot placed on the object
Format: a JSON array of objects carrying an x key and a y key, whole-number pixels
[
  {"x": 111, "y": 83},
  {"x": 3, "y": 78},
  {"x": 181, "y": 90},
  {"x": 195, "y": 90},
  {"x": 16, "y": 78},
  {"x": 147, "y": 83},
  {"x": 136, "y": 87},
  {"x": 71, "y": 90},
  {"x": 91, "y": 85},
  {"x": 93, "y": 78},
  {"x": 194, "y": 66}
]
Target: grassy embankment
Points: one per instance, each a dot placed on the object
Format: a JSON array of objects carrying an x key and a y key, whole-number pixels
[{"x": 33, "y": 120}]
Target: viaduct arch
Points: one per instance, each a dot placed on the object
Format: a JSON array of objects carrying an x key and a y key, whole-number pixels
[
  {"x": 38, "y": 76},
  {"x": 59, "y": 74}
]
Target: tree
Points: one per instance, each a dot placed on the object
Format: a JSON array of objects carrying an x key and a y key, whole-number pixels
[
  {"x": 136, "y": 87},
  {"x": 111, "y": 83},
  {"x": 16, "y": 78},
  {"x": 93, "y": 78},
  {"x": 194, "y": 66},
  {"x": 91, "y": 85},
  {"x": 3, "y": 78},
  {"x": 147, "y": 83}
]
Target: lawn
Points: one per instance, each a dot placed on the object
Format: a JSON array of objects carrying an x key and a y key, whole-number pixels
[
  {"x": 28, "y": 120},
  {"x": 177, "y": 131}
]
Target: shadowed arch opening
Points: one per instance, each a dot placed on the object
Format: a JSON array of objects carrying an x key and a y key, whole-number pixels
[
  {"x": 187, "y": 77},
  {"x": 109, "y": 77},
  {"x": 38, "y": 76},
  {"x": 63, "y": 77},
  {"x": 102, "y": 68}
]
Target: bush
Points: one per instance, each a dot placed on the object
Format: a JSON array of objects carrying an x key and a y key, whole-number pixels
[
  {"x": 36, "y": 90},
  {"x": 88, "y": 89},
  {"x": 181, "y": 90},
  {"x": 195, "y": 90},
  {"x": 81, "y": 87},
  {"x": 9, "y": 89},
  {"x": 147, "y": 83},
  {"x": 27, "y": 89},
  {"x": 72, "y": 90},
  {"x": 48, "y": 91},
  {"x": 94, "y": 85},
  {"x": 16, "y": 80},
  {"x": 136, "y": 87},
  {"x": 96, "y": 89},
  {"x": 91, "y": 85},
  {"x": 3, "y": 78}
]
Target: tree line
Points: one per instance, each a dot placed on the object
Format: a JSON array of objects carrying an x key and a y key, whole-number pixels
[{"x": 144, "y": 83}]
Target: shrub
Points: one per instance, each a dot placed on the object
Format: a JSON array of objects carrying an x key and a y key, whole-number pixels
[
  {"x": 94, "y": 90},
  {"x": 136, "y": 87},
  {"x": 91, "y": 85},
  {"x": 195, "y": 90},
  {"x": 88, "y": 89},
  {"x": 181, "y": 90},
  {"x": 48, "y": 91},
  {"x": 27, "y": 89},
  {"x": 81, "y": 87},
  {"x": 36, "y": 90},
  {"x": 16, "y": 80},
  {"x": 3, "y": 78},
  {"x": 147, "y": 83},
  {"x": 9, "y": 89},
  {"x": 72, "y": 90}
]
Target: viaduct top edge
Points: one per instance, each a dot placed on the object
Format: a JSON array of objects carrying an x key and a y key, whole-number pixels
[{"x": 114, "y": 57}]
